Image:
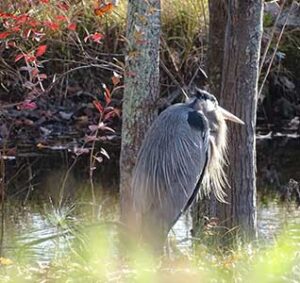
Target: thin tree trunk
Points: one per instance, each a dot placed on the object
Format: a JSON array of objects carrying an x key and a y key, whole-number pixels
[
  {"x": 217, "y": 26},
  {"x": 206, "y": 207},
  {"x": 239, "y": 95},
  {"x": 141, "y": 88}
]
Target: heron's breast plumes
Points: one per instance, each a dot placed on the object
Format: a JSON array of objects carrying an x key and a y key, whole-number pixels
[{"x": 215, "y": 179}]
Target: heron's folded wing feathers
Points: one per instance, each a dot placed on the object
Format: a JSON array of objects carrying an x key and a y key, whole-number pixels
[{"x": 170, "y": 163}]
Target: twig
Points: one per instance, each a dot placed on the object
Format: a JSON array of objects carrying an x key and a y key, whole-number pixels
[
  {"x": 30, "y": 186},
  {"x": 195, "y": 74},
  {"x": 165, "y": 45},
  {"x": 62, "y": 189},
  {"x": 174, "y": 79}
]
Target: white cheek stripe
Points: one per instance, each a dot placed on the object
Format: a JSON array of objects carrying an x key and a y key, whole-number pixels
[{"x": 210, "y": 105}]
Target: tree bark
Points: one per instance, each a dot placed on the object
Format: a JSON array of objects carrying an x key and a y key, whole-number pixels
[
  {"x": 215, "y": 54},
  {"x": 141, "y": 88},
  {"x": 239, "y": 95},
  {"x": 206, "y": 207}
]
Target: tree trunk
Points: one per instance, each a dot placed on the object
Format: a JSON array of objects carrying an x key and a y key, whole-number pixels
[
  {"x": 206, "y": 207},
  {"x": 141, "y": 88},
  {"x": 215, "y": 54},
  {"x": 239, "y": 96}
]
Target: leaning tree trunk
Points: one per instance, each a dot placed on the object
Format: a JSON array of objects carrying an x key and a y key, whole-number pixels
[
  {"x": 239, "y": 95},
  {"x": 141, "y": 88}
]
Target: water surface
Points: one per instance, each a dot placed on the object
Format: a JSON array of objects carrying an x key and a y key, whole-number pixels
[{"x": 44, "y": 230}]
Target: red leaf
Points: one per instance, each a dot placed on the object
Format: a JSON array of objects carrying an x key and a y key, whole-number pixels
[
  {"x": 4, "y": 35},
  {"x": 22, "y": 19},
  {"x": 61, "y": 18},
  {"x": 96, "y": 37},
  {"x": 33, "y": 23},
  {"x": 113, "y": 113},
  {"x": 72, "y": 26},
  {"x": 27, "y": 105},
  {"x": 107, "y": 94},
  {"x": 44, "y": 1},
  {"x": 51, "y": 25},
  {"x": 15, "y": 29},
  {"x": 34, "y": 72},
  {"x": 41, "y": 50},
  {"x": 6, "y": 15},
  {"x": 11, "y": 44},
  {"x": 29, "y": 58},
  {"x": 98, "y": 106},
  {"x": 43, "y": 76},
  {"x": 18, "y": 57}
]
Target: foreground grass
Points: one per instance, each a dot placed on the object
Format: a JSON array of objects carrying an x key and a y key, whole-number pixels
[{"x": 91, "y": 254}]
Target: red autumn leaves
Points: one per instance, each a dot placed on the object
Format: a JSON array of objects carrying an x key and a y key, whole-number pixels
[
  {"x": 4, "y": 35},
  {"x": 107, "y": 111},
  {"x": 107, "y": 97},
  {"x": 40, "y": 51},
  {"x": 30, "y": 27}
]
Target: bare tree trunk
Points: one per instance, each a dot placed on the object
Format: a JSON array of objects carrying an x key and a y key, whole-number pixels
[
  {"x": 239, "y": 96},
  {"x": 217, "y": 26},
  {"x": 206, "y": 208},
  {"x": 141, "y": 88}
]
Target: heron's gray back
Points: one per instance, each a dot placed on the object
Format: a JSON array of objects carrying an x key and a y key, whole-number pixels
[{"x": 169, "y": 165}]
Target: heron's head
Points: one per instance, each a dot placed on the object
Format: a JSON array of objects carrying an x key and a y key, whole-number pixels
[
  {"x": 216, "y": 117},
  {"x": 215, "y": 114}
]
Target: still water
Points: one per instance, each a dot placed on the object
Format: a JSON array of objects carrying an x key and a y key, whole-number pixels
[{"x": 44, "y": 230}]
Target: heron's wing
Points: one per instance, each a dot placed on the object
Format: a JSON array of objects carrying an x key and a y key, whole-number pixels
[{"x": 170, "y": 163}]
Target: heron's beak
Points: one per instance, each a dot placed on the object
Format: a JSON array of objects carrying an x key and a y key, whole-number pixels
[{"x": 229, "y": 116}]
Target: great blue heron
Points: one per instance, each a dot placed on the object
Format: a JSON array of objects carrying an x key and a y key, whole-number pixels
[{"x": 184, "y": 148}]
